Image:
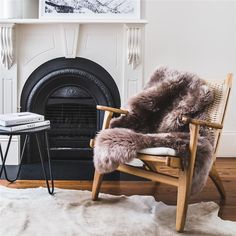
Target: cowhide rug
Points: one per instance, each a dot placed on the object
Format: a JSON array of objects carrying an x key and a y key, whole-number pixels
[{"x": 34, "y": 212}]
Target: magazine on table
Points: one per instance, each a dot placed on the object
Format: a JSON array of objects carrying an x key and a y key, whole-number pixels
[
  {"x": 25, "y": 126},
  {"x": 19, "y": 118}
]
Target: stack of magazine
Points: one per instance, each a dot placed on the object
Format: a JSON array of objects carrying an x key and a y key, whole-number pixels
[{"x": 21, "y": 121}]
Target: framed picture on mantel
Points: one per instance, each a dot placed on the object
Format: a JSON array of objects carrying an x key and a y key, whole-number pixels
[{"x": 89, "y": 9}]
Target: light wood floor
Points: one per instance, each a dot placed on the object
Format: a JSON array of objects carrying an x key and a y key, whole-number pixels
[{"x": 226, "y": 168}]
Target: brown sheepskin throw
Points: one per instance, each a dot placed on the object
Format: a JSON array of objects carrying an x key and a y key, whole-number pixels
[{"x": 154, "y": 120}]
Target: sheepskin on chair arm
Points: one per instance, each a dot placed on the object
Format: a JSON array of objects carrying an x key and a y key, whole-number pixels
[{"x": 108, "y": 115}]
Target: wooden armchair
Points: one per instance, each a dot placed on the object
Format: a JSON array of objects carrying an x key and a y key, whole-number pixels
[{"x": 151, "y": 159}]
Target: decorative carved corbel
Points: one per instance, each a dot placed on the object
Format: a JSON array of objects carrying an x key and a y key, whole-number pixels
[
  {"x": 7, "y": 45},
  {"x": 70, "y": 33},
  {"x": 133, "y": 45}
]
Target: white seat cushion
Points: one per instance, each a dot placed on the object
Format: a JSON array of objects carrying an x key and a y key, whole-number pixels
[{"x": 158, "y": 151}]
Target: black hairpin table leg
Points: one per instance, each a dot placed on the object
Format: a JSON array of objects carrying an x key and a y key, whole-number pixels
[
  {"x": 49, "y": 161},
  {"x": 50, "y": 190},
  {"x": 19, "y": 168},
  {"x": 3, "y": 168}
]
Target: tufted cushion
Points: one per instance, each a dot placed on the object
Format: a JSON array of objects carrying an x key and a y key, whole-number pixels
[{"x": 158, "y": 151}]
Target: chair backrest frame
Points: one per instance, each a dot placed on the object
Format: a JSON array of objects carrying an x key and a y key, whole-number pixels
[{"x": 218, "y": 133}]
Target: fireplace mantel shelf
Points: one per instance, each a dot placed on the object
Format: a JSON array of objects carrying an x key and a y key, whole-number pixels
[
  {"x": 78, "y": 21},
  {"x": 133, "y": 28}
]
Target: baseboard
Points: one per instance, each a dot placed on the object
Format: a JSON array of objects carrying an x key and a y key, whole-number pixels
[{"x": 227, "y": 146}]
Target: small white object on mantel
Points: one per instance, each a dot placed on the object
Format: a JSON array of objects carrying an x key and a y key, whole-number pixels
[
  {"x": 17, "y": 9},
  {"x": 12, "y": 9},
  {"x": 7, "y": 45}
]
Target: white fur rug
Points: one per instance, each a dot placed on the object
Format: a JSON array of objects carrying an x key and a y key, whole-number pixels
[{"x": 33, "y": 212}]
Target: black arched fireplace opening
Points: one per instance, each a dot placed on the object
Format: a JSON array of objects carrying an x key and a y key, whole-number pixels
[{"x": 66, "y": 92}]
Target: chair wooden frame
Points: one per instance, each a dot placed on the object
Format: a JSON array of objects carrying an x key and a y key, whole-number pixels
[{"x": 184, "y": 179}]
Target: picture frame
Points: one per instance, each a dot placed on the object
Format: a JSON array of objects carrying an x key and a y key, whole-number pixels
[{"x": 90, "y": 9}]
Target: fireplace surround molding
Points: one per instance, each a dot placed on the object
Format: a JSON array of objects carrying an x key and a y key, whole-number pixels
[{"x": 117, "y": 46}]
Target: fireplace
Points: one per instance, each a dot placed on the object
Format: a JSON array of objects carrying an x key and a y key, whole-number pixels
[
  {"x": 66, "y": 91},
  {"x": 63, "y": 69}
]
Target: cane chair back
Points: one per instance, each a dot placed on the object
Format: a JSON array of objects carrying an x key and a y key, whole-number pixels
[{"x": 215, "y": 112}]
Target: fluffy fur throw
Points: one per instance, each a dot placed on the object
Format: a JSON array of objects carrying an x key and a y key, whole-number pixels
[{"x": 154, "y": 121}]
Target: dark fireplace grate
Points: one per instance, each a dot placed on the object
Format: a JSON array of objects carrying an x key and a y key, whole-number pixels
[
  {"x": 73, "y": 124},
  {"x": 68, "y": 116}
]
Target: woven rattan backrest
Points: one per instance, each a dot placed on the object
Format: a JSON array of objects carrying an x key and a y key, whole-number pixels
[{"x": 216, "y": 110}]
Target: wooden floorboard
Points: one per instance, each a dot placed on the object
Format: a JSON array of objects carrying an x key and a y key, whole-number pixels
[{"x": 225, "y": 166}]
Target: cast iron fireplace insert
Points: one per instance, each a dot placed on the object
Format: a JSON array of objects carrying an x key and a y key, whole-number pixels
[{"x": 66, "y": 92}]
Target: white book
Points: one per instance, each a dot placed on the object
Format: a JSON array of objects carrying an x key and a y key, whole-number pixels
[
  {"x": 25, "y": 126},
  {"x": 19, "y": 118}
]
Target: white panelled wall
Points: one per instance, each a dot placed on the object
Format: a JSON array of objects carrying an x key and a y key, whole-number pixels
[{"x": 197, "y": 36}]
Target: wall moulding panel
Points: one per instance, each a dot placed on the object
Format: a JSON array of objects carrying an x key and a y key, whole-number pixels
[
  {"x": 8, "y": 90},
  {"x": 12, "y": 159}
]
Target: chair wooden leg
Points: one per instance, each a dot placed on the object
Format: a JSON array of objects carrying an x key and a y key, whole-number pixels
[
  {"x": 217, "y": 181},
  {"x": 185, "y": 180},
  {"x": 97, "y": 181},
  {"x": 182, "y": 201}
]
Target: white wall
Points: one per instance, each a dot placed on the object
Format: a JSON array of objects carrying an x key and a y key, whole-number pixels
[{"x": 196, "y": 36}]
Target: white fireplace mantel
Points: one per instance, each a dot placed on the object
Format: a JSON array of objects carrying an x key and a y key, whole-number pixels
[
  {"x": 77, "y": 21},
  {"x": 133, "y": 35},
  {"x": 116, "y": 45}
]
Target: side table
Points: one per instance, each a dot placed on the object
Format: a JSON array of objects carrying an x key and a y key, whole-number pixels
[{"x": 29, "y": 132}]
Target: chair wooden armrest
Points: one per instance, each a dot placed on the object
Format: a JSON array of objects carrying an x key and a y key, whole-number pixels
[
  {"x": 188, "y": 120},
  {"x": 107, "y": 118},
  {"x": 111, "y": 109}
]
